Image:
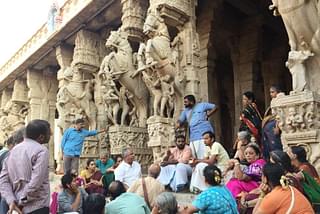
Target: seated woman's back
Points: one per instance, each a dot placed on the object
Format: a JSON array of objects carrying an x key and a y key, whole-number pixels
[{"x": 278, "y": 201}]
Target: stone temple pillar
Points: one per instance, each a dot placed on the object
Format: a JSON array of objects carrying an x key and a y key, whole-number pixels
[
  {"x": 81, "y": 89},
  {"x": 43, "y": 87},
  {"x": 5, "y": 97},
  {"x": 171, "y": 75}
]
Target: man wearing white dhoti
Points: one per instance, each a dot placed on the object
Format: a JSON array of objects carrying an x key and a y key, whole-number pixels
[
  {"x": 175, "y": 169},
  {"x": 215, "y": 154}
]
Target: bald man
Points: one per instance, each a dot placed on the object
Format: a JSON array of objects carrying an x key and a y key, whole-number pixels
[
  {"x": 153, "y": 186},
  {"x": 125, "y": 202}
]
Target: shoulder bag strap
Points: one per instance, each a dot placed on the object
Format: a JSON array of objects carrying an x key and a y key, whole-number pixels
[
  {"x": 292, "y": 201},
  {"x": 145, "y": 193}
]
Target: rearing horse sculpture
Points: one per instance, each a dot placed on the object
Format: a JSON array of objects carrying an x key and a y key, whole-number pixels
[
  {"x": 118, "y": 66},
  {"x": 157, "y": 55}
]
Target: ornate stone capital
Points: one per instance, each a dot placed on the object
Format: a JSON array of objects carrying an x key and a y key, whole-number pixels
[
  {"x": 86, "y": 53},
  {"x": 299, "y": 119},
  {"x": 175, "y": 12}
]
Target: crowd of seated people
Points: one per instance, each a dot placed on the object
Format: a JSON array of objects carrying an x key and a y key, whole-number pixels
[{"x": 257, "y": 176}]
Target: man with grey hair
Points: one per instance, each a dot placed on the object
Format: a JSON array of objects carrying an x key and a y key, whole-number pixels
[
  {"x": 14, "y": 139},
  {"x": 152, "y": 186},
  {"x": 242, "y": 141},
  {"x": 24, "y": 179},
  {"x": 129, "y": 170}
]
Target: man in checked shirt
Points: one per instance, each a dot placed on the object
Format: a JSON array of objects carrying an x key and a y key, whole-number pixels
[{"x": 24, "y": 179}]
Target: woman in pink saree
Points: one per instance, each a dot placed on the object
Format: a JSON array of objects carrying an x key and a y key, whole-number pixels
[{"x": 249, "y": 178}]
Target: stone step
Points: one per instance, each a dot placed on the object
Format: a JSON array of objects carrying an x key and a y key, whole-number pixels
[{"x": 185, "y": 198}]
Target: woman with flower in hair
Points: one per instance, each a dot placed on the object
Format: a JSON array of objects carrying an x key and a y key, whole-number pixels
[
  {"x": 216, "y": 199},
  {"x": 277, "y": 196}
]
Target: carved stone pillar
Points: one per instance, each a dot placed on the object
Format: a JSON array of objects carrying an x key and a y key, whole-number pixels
[
  {"x": 161, "y": 136},
  {"x": 298, "y": 115},
  {"x": 15, "y": 110},
  {"x": 43, "y": 87},
  {"x": 134, "y": 13},
  {"x": 136, "y": 138},
  {"x": 75, "y": 98},
  {"x": 64, "y": 54},
  {"x": 5, "y": 99},
  {"x": 169, "y": 66}
]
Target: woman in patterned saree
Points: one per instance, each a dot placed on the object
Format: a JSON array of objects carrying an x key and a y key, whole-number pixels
[
  {"x": 250, "y": 116},
  {"x": 92, "y": 178}
]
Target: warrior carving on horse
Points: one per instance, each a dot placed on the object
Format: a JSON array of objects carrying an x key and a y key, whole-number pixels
[
  {"x": 156, "y": 62},
  {"x": 118, "y": 66}
]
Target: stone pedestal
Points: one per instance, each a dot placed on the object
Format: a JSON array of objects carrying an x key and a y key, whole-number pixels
[
  {"x": 161, "y": 136},
  {"x": 299, "y": 120},
  {"x": 136, "y": 138},
  {"x": 90, "y": 150}
]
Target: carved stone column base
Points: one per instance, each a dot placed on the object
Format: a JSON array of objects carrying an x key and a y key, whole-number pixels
[
  {"x": 299, "y": 120},
  {"x": 161, "y": 136},
  {"x": 136, "y": 138},
  {"x": 90, "y": 150}
]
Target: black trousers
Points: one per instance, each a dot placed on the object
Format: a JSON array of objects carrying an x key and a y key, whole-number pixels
[{"x": 44, "y": 210}]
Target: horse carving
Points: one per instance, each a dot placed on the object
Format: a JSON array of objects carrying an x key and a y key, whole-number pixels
[
  {"x": 118, "y": 66},
  {"x": 156, "y": 62}
]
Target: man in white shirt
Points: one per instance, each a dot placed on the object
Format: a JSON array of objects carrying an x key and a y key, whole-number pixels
[
  {"x": 215, "y": 154},
  {"x": 129, "y": 170}
]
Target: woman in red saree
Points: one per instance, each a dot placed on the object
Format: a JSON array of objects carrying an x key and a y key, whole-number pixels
[
  {"x": 92, "y": 178},
  {"x": 250, "y": 116}
]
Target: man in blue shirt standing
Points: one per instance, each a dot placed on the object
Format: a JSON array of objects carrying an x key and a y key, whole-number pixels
[
  {"x": 196, "y": 115},
  {"x": 72, "y": 142}
]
